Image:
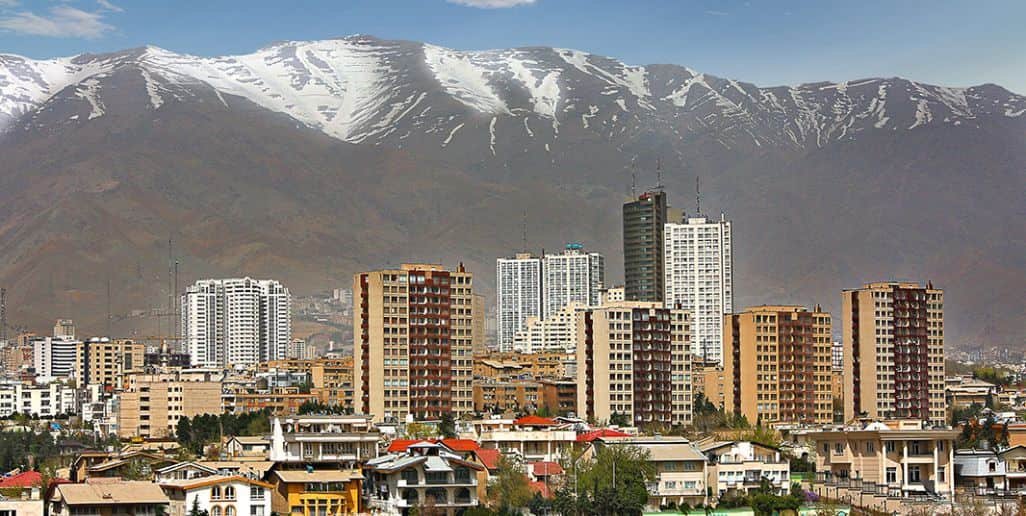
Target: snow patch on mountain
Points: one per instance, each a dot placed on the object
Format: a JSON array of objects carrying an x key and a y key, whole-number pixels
[{"x": 464, "y": 79}]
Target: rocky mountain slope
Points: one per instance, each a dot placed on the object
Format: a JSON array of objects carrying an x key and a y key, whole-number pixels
[{"x": 311, "y": 160}]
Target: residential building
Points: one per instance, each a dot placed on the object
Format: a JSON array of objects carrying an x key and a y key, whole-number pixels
[
  {"x": 981, "y": 472},
  {"x": 573, "y": 276},
  {"x": 739, "y": 467},
  {"x": 299, "y": 350},
  {"x": 331, "y": 379},
  {"x": 102, "y": 361},
  {"x": 183, "y": 471},
  {"x": 426, "y": 475},
  {"x": 247, "y": 446},
  {"x": 680, "y": 466},
  {"x": 634, "y": 361},
  {"x": 280, "y": 402},
  {"x": 236, "y": 322},
  {"x": 109, "y": 497},
  {"x": 612, "y": 295},
  {"x": 219, "y": 495},
  {"x": 777, "y": 365},
  {"x": 22, "y": 494},
  {"x": 554, "y": 333},
  {"x": 479, "y": 332},
  {"x": 698, "y": 258},
  {"x": 885, "y": 459},
  {"x": 492, "y": 396},
  {"x": 518, "y": 292},
  {"x": 317, "y": 492},
  {"x": 54, "y": 357},
  {"x": 893, "y": 335},
  {"x": 64, "y": 329},
  {"x": 965, "y": 392},
  {"x": 1015, "y": 468},
  {"x": 334, "y": 440},
  {"x": 153, "y": 404},
  {"x": 531, "y": 438},
  {"x": 414, "y": 341},
  {"x": 643, "y": 229},
  {"x": 709, "y": 379}
]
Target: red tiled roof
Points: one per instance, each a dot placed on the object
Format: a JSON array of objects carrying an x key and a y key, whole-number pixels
[
  {"x": 546, "y": 468},
  {"x": 535, "y": 421},
  {"x": 400, "y": 445},
  {"x": 25, "y": 479},
  {"x": 588, "y": 437},
  {"x": 541, "y": 488},
  {"x": 457, "y": 445},
  {"x": 461, "y": 445},
  {"x": 489, "y": 457}
]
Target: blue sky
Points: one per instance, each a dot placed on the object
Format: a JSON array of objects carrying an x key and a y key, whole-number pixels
[{"x": 767, "y": 42}]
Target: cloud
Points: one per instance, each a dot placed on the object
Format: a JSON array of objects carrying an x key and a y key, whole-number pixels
[
  {"x": 62, "y": 21},
  {"x": 716, "y": 13},
  {"x": 8, "y": 3},
  {"x": 109, "y": 6},
  {"x": 490, "y": 4}
]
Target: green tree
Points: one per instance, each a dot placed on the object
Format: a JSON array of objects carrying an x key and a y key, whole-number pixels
[
  {"x": 614, "y": 483},
  {"x": 196, "y": 511},
  {"x": 420, "y": 431},
  {"x": 619, "y": 419},
  {"x": 510, "y": 489},
  {"x": 447, "y": 427}
]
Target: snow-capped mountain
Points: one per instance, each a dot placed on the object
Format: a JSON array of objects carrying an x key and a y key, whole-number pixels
[
  {"x": 361, "y": 89},
  {"x": 309, "y": 161}
]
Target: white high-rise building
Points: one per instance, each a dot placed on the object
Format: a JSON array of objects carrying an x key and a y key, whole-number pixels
[
  {"x": 555, "y": 333},
  {"x": 54, "y": 357},
  {"x": 699, "y": 277},
  {"x": 236, "y": 322},
  {"x": 518, "y": 287},
  {"x": 572, "y": 277}
]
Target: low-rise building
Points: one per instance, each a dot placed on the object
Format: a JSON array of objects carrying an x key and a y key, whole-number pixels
[
  {"x": 532, "y": 438},
  {"x": 153, "y": 404},
  {"x": 317, "y": 492},
  {"x": 681, "y": 470},
  {"x": 981, "y": 472},
  {"x": 965, "y": 392},
  {"x": 219, "y": 495},
  {"x": 740, "y": 467},
  {"x": 425, "y": 475},
  {"x": 1015, "y": 468},
  {"x": 106, "y": 497},
  {"x": 878, "y": 461},
  {"x": 335, "y": 439},
  {"x": 22, "y": 495}
]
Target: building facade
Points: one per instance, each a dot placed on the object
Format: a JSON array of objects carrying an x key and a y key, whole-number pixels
[
  {"x": 893, "y": 337},
  {"x": 152, "y": 405},
  {"x": 102, "y": 361},
  {"x": 554, "y": 333},
  {"x": 634, "y": 361},
  {"x": 236, "y": 322},
  {"x": 518, "y": 290},
  {"x": 54, "y": 357},
  {"x": 413, "y": 352},
  {"x": 643, "y": 225},
  {"x": 698, "y": 260},
  {"x": 573, "y": 276},
  {"x": 777, "y": 363}
]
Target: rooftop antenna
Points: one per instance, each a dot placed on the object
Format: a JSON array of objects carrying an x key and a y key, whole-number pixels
[
  {"x": 176, "y": 312},
  {"x": 3, "y": 314},
  {"x": 659, "y": 174},
  {"x": 109, "y": 333},
  {"x": 525, "y": 231},
  {"x": 634, "y": 177},
  {"x": 698, "y": 197}
]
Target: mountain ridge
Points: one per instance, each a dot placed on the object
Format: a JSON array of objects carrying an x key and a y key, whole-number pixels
[{"x": 309, "y": 161}]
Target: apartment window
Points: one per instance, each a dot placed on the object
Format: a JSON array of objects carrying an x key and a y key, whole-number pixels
[
  {"x": 914, "y": 474},
  {"x": 892, "y": 475},
  {"x": 870, "y": 447},
  {"x": 838, "y": 448},
  {"x": 889, "y": 445},
  {"x": 941, "y": 474},
  {"x": 256, "y": 493}
]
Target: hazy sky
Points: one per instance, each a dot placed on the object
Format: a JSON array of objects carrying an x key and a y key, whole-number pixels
[{"x": 766, "y": 42}]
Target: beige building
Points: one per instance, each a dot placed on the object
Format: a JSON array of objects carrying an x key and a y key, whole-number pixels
[
  {"x": 479, "y": 341},
  {"x": 102, "y": 361},
  {"x": 331, "y": 379},
  {"x": 153, "y": 404},
  {"x": 708, "y": 378},
  {"x": 634, "y": 360},
  {"x": 885, "y": 459},
  {"x": 680, "y": 468},
  {"x": 776, "y": 364},
  {"x": 414, "y": 342},
  {"x": 894, "y": 351}
]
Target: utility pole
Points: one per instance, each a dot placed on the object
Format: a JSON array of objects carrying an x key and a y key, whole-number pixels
[{"x": 3, "y": 314}]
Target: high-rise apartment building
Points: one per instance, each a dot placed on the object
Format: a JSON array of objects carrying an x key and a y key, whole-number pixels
[
  {"x": 232, "y": 322},
  {"x": 102, "y": 361},
  {"x": 699, "y": 278},
  {"x": 634, "y": 360},
  {"x": 152, "y": 404},
  {"x": 518, "y": 290},
  {"x": 643, "y": 221},
  {"x": 553, "y": 333},
  {"x": 573, "y": 276},
  {"x": 55, "y": 357},
  {"x": 777, "y": 365},
  {"x": 893, "y": 337},
  {"x": 414, "y": 338},
  {"x": 64, "y": 329}
]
